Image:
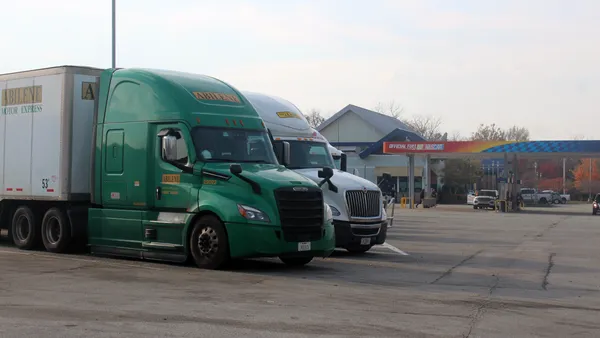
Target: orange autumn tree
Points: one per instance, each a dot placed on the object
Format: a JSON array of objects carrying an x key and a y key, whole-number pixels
[{"x": 581, "y": 174}]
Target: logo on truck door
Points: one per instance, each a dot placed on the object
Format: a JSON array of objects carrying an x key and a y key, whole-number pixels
[{"x": 171, "y": 179}]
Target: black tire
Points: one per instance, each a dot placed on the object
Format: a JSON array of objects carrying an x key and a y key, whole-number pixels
[
  {"x": 594, "y": 211},
  {"x": 56, "y": 231},
  {"x": 474, "y": 207},
  {"x": 296, "y": 261},
  {"x": 25, "y": 229},
  {"x": 543, "y": 200},
  {"x": 564, "y": 200},
  {"x": 359, "y": 249},
  {"x": 209, "y": 244}
]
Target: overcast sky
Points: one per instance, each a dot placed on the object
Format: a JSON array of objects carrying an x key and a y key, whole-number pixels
[{"x": 534, "y": 63}]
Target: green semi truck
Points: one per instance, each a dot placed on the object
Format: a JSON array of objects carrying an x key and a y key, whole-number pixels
[{"x": 150, "y": 164}]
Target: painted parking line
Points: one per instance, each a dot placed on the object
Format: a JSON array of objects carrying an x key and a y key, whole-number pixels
[{"x": 394, "y": 249}]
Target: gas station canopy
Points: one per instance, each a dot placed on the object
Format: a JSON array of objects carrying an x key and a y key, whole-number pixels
[{"x": 480, "y": 149}]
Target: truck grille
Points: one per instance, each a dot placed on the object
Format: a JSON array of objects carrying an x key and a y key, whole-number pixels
[
  {"x": 300, "y": 213},
  {"x": 364, "y": 203}
]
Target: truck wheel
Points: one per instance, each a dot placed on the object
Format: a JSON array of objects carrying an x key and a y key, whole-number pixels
[
  {"x": 556, "y": 201},
  {"x": 56, "y": 231},
  {"x": 543, "y": 200},
  {"x": 296, "y": 261},
  {"x": 209, "y": 244},
  {"x": 25, "y": 229},
  {"x": 358, "y": 249}
]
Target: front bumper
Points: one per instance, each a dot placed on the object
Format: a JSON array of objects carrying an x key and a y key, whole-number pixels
[
  {"x": 252, "y": 240},
  {"x": 351, "y": 234},
  {"x": 490, "y": 204}
]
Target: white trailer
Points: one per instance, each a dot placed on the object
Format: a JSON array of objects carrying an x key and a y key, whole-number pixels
[
  {"x": 46, "y": 117},
  {"x": 357, "y": 206}
]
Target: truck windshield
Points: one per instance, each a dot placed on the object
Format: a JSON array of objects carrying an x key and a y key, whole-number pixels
[
  {"x": 304, "y": 155},
  {"x": 233, "y": 145}
]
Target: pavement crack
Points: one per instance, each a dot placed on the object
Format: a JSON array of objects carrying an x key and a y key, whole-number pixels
[
  {"x": 67, "y": 269},
  {"x": 480, "y": 310},
  {"x": 548, "y": 271},
  {"x": 449, "y": 271},
  {"x": 551, "y": 226}
]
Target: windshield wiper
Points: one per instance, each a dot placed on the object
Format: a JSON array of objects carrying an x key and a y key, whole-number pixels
[
  {"x": 255, "y": 161},
  {"x": 220, "y": 160}
]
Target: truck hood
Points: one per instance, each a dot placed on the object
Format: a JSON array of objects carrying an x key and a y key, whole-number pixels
[
  {"x": 263, "y": 174},
  {"x": 342, "y": 179}
]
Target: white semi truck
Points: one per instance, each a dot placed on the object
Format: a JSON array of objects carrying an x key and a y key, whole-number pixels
[{"x": 357, "y": 204}]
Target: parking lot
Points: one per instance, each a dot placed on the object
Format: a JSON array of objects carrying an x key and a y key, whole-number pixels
[{"x": 467, "y": 273}]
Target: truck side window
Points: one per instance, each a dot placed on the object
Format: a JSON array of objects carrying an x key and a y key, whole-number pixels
[{"x": 182, "y": 150}]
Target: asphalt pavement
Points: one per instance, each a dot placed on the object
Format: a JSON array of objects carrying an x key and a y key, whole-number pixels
[{"x": 444, "y": 272}]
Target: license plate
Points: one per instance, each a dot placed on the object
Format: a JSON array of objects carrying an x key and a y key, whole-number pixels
[
  {"x": 365, "y": 241},
  {"x": 304, "y": 246}
]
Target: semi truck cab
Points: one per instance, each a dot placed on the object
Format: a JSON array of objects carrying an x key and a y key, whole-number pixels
[
  {"x": 357, "y": 204},
  {"x": 180, "y": 166}
]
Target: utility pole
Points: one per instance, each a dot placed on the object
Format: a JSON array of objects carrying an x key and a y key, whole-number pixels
[
  {"x": 114, "y": 34},
  {"x": 564, "y": 175},
  {"x": 590, "y": 181}
]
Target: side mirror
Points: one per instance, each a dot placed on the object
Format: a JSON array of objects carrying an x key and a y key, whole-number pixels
[
  {"x": 169, "y": 147},
  {"x": 344, "y": 162},
  {"x": 326, "y": 173},
  {"x": 235, "y": 169},
  {"x": 285, "y": 154}
]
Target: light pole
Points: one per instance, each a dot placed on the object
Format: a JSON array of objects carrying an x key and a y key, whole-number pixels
[
  {"x": 535, "y": 165},
  {"x": 564, "y": 177},
  {"x": 494, "y": 174},
  {"x": 114, "y": 34},
  {"x": 590, "y": 181}
]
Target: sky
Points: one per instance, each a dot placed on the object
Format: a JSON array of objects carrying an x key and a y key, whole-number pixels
[{"x": 531, "y": 63}]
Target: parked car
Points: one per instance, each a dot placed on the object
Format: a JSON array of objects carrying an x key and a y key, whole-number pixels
[
  {"x": 531, "y": 195},
  {"x": 470, "y": 197},
  {"x": 485, "y": 199},
  {"x": 557, "y": 198}
]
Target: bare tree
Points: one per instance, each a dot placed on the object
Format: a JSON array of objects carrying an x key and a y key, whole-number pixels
[
  {"x": 391, "y": 108},
  {"x": 427, "y": 126},
  {"x": 456, "y": 136},
  {"x": 489, "y": 132},
  {"x": 519, "y": 134},
  {"x": 314, "y": 118}
]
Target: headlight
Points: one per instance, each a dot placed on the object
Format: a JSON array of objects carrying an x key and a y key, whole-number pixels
[
  {"x": 334, "y": 211},
  {"x": 253, "y": 214},
  {"x": 328, "y": 213}
]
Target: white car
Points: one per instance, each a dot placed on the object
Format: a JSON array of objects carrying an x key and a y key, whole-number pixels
[
  {"x": 470, "y": 197},
  {"x": 485, "y": 199}
]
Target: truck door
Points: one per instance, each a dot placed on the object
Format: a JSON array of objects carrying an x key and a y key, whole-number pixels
[{"x": 171, "y": 189}]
